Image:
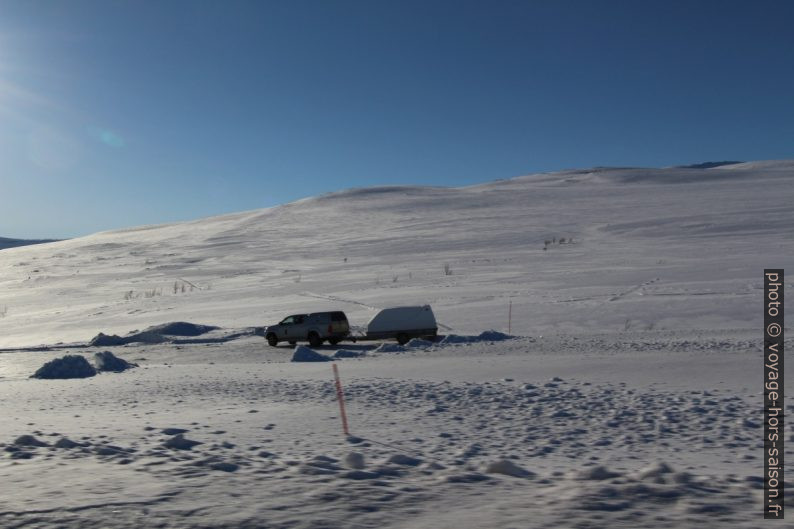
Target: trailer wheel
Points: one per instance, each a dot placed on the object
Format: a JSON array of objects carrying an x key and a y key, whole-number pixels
[
  {"x": 334, "y": 341},
  {"x": 272, "y": 341},
  {"x": 315, "y": 340},
  {"x": 402, "y": 338}
]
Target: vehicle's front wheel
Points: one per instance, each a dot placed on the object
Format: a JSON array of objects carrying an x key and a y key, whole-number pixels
[
  {"x": 315, "y": 340},
  {"x": 334, "y": 341},
  {"x": 272, "y": 341}
]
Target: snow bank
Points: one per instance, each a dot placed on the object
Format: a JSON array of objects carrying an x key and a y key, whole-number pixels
[
  {"x": 485, "y": 336},
  {"x": 105, "y": 340},
  {"x": 344, "y": 353},
  {"x": 69, "y": 366},
  {"x": 390, "y": 348},
  {"x": 181, "y": 328},
  {"x": 107, "y": 361},
  {"x": 304, "y": 354}
]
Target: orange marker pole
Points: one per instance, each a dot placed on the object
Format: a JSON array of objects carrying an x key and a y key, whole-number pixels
[{"x": 341, "y": 398}]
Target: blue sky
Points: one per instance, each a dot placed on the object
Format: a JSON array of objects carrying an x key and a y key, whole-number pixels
[{"x": 120, "y": 113}]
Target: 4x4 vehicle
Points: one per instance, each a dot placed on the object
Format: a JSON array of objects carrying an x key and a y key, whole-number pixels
[{"x": 316, "y": 328}]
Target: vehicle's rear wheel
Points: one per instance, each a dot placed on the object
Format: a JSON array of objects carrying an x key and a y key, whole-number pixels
[
  {"x": 334, "y": 341},
  {"x": 315, "y": 340},
  {"x": 402, "y": 338},
  {"x": 272, "y": 341}
]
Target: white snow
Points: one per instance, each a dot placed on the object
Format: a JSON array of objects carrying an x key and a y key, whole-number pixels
[{"x": 617, "y": 396}]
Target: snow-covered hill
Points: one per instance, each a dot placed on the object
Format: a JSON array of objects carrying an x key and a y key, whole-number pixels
[
  {"x": 623, "y": 402},
  {"x": 673, "y": 248},
  {"x": 5, "y": 242}
]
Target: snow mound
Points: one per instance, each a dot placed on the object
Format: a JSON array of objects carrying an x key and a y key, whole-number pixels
[
  {"x": 508, "y": 468},
  {"x": 344, "y": 353},
  {"x": 105, "y": 340},
  {"x": 390, "y": 348},
  {"x": 146, "y": 337},
  {"x": 178, "y": 442},
  {"x": 355, "y": 460},
  {"x": 107, "y": 361},
  {"x": 485, "y": 336},
  {"x": 65, "y": 442},
  {"x": 28, "y": 440},
  {"x": 304, "y": 354},
  {"x": 181, "y": 328},
  {"x": 405, "y": 460},
  {"x": 493, "y": 336},
  {"x": 596, "y": 473},
  {"x": 69, "y": 366},
  {"x": 655, "y": 471}
]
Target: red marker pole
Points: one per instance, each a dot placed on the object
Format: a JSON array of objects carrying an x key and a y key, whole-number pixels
[{"x": 341, "y": 398}]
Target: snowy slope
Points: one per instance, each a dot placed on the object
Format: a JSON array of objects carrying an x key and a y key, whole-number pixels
[
  {"x": 625, "y": 401},
  {"x": 14, "y": 243},
  {"x": 673, "y": 248}
]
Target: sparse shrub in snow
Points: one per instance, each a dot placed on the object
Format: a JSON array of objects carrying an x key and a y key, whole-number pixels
[
  {"x": 447, "y": 269},
  {"x": 3, "y": 312},
  {"x": 304, "y": 354},
  {"x": 69, "y": 366}
]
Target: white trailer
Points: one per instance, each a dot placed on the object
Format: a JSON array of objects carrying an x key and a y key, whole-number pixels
[{"x": 402, "y": 324}]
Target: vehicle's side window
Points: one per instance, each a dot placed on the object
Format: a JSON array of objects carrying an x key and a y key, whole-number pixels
[
  {"x": 288, "y": 320},
  {"x": 298, "y": 319}
]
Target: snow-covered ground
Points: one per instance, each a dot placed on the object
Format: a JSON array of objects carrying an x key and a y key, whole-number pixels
[{"x": 630, "y": 396}]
